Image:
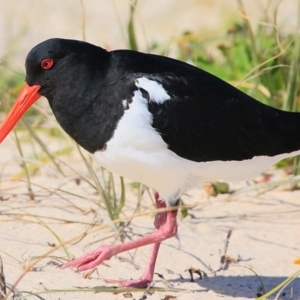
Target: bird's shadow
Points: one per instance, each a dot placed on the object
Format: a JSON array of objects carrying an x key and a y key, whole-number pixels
[{"x": 241, "y": 286}]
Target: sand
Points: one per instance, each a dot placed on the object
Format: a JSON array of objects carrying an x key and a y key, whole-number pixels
[{"x": 265, "y": 239}]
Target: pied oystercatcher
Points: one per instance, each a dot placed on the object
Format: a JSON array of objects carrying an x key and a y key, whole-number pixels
[{"x": 155, "y": 120}]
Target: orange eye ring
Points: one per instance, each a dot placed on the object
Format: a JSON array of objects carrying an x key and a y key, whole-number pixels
[{"x": 47, "y": 63}]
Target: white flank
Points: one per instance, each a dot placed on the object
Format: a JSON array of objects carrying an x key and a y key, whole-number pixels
[
  {"x": 155, "y": 90},
  {"x": 137, "y": 152}
]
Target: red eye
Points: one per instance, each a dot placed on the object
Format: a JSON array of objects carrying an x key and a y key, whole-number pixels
[{"x": 47, "y": 63}]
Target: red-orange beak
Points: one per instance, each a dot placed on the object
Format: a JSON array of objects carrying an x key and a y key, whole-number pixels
[{"x": 27, "y": 97}]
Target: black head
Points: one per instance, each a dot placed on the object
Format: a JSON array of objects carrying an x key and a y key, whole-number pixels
[
  {"x": 76, "y": 79},
  {"x": 57, "y": 62}
]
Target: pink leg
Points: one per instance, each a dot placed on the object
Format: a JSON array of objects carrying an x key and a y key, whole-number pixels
[
  {"x": 166, "y": 227},
  {"x": 147, "y": 277}
]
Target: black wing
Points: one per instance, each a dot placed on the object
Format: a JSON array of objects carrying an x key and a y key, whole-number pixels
[{"x": 207, "y": 119}]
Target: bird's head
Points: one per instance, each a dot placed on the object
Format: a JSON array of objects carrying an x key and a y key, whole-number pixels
[{"x": 53, "y": 66}]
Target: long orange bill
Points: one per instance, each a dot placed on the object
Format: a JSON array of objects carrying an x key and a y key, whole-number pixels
[{"x": 27, "y": 97}]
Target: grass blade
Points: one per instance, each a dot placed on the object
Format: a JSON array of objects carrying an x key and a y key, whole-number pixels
[{"x": 130, "y": 27}]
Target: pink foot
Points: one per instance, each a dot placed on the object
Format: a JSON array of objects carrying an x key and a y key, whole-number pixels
[{"x": 91, "y": 259}]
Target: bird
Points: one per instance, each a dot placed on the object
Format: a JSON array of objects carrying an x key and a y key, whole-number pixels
[{"x": 155, "y": 120}]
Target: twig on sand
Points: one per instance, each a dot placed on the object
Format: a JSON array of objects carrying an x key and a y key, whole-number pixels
[{"x": 225, "y": 260}]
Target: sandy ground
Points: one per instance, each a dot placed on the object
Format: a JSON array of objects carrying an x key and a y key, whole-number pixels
[
  {"x": 265, "y": 239},
  {"x": 265, "y": 227}
]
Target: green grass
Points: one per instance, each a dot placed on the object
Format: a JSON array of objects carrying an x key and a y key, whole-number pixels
[{"x": 260, "y": 68}]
